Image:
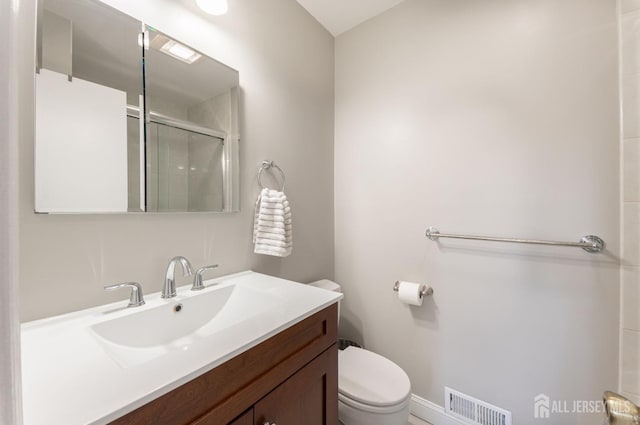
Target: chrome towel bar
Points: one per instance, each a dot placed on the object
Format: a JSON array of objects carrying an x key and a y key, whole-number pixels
[{"x": 589, "y": 243}]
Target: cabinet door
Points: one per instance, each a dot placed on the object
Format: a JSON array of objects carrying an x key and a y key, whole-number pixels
[
  {"x": 309, "y": 397},
  {"x": 245, "y": 419}
]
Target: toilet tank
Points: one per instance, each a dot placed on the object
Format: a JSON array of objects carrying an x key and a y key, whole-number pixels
[{"x": 329, "y": 285}]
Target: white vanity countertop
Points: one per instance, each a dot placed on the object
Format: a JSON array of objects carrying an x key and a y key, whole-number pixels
[{"x": 72, "y": 377}]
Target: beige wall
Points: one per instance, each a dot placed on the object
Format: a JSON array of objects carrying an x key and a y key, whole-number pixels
[
  {"x": 285, "y": 60},
  {"x": 498, "y": 118},
  {"x": 630, "y": 329}
]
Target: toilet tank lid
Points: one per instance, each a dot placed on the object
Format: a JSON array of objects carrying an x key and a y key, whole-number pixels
[
  {"x": 327, "y": 284},
  {"x": 370, "y": 378}
]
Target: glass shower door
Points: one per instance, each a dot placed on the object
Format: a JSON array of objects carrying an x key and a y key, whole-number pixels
[{"x": 185, "y": 170}]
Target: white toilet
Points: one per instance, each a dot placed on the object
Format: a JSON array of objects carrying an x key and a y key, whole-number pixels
[{"x": 372, "y": 390}]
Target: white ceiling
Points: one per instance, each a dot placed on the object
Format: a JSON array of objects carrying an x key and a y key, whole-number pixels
[{"x": 338, "y": 16}]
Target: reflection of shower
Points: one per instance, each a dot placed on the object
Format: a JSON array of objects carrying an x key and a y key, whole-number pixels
[
  {"x": 154, "y": 117},
  {"x": 184, "y": 165}
]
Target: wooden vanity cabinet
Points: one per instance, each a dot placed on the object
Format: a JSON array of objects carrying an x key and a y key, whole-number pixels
[{"x": 289, "y": 379}]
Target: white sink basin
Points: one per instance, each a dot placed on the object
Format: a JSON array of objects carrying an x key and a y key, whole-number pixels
[
  {"x": 111, "y": 359},
  {"x": 164, "y": 324},
  {"x": 149, "y": 333}
]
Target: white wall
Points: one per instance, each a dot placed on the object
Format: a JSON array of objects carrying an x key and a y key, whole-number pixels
[
  {"x": 285, "y": 59},
  {"x": 10, "y": 389},
  {"x": 497, "y": 118},
  {"x": 630, "y": 324}
]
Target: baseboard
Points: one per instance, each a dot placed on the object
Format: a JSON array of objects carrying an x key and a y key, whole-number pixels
[{"x": 431, "y": 412}]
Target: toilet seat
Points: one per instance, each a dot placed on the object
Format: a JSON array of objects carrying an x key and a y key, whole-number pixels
[{"x": 369, "y": 382}]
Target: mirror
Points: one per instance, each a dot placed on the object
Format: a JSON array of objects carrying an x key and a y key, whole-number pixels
[
  {"x": 97, "y": 69},
  {"x": 189, "y": 122}
]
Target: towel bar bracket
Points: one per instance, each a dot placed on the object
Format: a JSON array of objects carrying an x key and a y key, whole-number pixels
[
  {"x": 589, "y": 243},
  {"x": 597, "y": 244}
]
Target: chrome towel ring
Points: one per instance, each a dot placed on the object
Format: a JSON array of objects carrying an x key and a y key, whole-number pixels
[{"x": 266, "y": 165}]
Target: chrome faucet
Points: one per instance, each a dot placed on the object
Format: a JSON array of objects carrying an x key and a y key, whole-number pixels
[{"x": 169, "y": 290}]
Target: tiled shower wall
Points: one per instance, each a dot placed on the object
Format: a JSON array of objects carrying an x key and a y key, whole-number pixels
[{"x": 630, "y": 337}]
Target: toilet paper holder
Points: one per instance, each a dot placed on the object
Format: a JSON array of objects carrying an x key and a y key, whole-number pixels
[{"x": 424, "y": 289}]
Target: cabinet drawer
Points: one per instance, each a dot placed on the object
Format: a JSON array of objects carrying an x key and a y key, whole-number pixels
[{"x": 234, "y": 386}]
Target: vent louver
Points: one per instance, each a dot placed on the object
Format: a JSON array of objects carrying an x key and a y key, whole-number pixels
[{"x": 474, "y": 411}]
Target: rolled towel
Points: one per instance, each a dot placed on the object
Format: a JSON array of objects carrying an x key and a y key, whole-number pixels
[
  {"x": 277, "y": 231},
  {"x": 276, "y": 252},
  {"x": 271, "y": 211},
  {"x": 273, "y": 205},
  {"x": 274, "y": 196},
  {"x": 272, "y": 243},
  {"x": 273, "y": 224},
  {"x": 272, "y": 218},
  {"x": 272, "y": 236}
]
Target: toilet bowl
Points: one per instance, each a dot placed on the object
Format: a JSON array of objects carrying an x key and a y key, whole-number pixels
[{"x": 372, "y": 390}]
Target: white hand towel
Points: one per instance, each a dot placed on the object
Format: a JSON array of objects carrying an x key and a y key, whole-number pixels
[{"x": 272, "y": 226}]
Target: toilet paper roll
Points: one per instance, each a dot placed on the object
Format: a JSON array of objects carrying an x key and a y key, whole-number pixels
[{"x": 409, "y": 293}]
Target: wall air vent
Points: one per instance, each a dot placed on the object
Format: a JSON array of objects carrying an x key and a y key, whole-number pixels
[{"x": 473, "y": 411}]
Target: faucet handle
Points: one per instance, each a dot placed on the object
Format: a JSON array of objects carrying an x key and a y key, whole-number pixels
[
  {"x": 197, "y": 281},
  {"x": 136, "y": 299}
]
